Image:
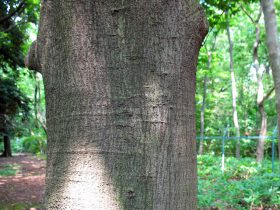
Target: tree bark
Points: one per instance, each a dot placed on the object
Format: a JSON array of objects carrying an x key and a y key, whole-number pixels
[
  {"x": 120, "y": 83},
  {"x": 233, "y": 89},
  {"x": 273, "y": 45}
]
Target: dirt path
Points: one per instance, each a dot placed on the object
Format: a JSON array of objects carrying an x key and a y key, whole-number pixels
[{"x": 27, "y": 185}]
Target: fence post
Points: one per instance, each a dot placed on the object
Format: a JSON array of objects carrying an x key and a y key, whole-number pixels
[{"x": 273, "y": 148}]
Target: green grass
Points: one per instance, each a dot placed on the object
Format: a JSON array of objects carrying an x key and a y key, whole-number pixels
[
  {"x": 19, "y": 206},
  {"x": 244, "y": 183},
  {"x": 9, "y": 169}
]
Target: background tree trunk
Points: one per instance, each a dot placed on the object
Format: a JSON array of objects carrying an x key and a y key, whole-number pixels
[
  {"x": 6, "y": 139},
  {"x": 233, "y": 89},
  {"x": 120, "y": 84},
  {"x": 263, "y": 131},
  {"x": 39, "y": 119},
  {"x": 273, "y": 45},
  {"x": 201, "y": 142},
  {"x": 260, "y": 89},
  {"x": 7, "y": 147},
  {"x": 260, "y": 95}
]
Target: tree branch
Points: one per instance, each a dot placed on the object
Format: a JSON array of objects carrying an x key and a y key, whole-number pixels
[
  {"x": 247, "y": 13},
  {"x": 249, "y": 16},
  {"x": 259, "y": 16},
  {"x": 42, "y": 122},
  {"x": 267, "y": 95}
]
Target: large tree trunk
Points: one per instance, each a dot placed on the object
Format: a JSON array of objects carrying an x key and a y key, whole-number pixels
[
  {"x": 120, "y": 83},
  {"x": 233, "y": 89},
  {"x": 273, "y": 45}
]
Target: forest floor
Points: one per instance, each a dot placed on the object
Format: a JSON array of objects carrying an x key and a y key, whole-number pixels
[
  {"x": 252, "y": 186},
  {"x": 22, "y": 182}
]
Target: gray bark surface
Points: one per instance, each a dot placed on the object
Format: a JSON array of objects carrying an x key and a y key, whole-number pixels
[
  {"x": 120, "y": 83},
  {"x": 273, "y": 46}
]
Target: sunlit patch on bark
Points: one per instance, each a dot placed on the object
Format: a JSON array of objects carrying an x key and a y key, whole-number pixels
[{"x": 88, "y": 184}]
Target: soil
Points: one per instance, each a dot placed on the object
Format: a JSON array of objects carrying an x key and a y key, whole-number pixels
[{"x": 28, "y": 184}]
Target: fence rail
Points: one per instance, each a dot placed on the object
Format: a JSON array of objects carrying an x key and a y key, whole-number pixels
[
  {"x": 234, "y": 137},
  {"x": 226, "y": 138}
]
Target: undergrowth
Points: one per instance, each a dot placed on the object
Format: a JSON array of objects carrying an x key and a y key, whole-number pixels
[{"x": 244, "y": 184}]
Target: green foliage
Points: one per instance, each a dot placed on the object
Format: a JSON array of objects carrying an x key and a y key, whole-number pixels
[
  {"x": 35, "y": 144},
  {"x": 218, "y": 110},
  {"x": 26, "y": 135},
  {"x": 17, "y": 145},
  {"x": 17, "y": 21},
  {"x": 16, "y": 17},
  {"x": 247, "y": 146},
  {"x": 11, "y": 98},
  {"x": 215, "y": 10},
  {"x": 9, "y": 170},
  {"x": 12, "y": 102},
  {"x": 244, "y": 183}
]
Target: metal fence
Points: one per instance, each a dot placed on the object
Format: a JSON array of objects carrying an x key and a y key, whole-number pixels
[{"x": 225, "y": 137}]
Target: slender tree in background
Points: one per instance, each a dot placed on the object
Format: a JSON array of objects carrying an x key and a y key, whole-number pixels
[
  {"x": 202, "y": 113},
  {"x": 233, "y": 88},
  {"x": 273, "y": 45},
  {"x": 39, "y": 118},
  {"x": 120, "y": 84},
  {"x": 205, "y": 80},
  {"x": 260, "y": 88}
]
